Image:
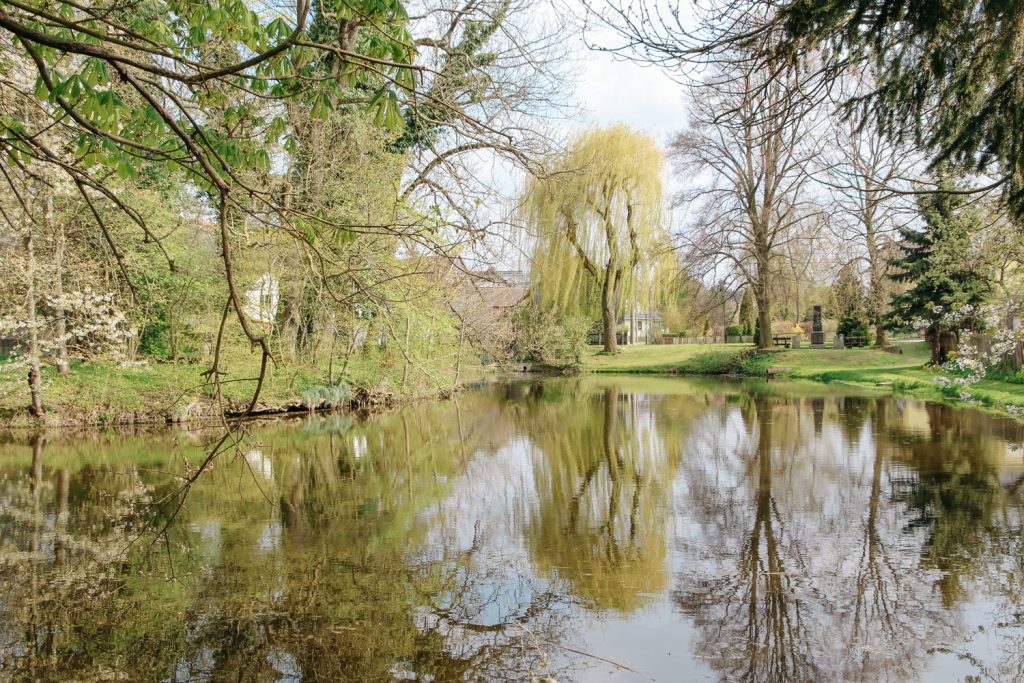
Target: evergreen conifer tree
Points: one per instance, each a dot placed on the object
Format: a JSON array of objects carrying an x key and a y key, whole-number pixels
[
  {"x": 850, "y": 308},
  {"x": 747, "y": 315},
  {"x": 935, "y": 263},
  {"x": 948, "y": 73}
]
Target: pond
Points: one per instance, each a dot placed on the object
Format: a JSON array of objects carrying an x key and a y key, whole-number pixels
[{"x": 590, "y": 529}]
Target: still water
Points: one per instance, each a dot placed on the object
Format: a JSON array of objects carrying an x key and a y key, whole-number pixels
[{"x": 576, "y": 529}]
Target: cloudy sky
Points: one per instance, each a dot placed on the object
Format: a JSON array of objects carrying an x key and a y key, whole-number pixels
[{"x": 613, "y": 91}]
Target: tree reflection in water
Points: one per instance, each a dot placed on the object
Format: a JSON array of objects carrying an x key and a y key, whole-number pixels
[
  {"x": 794, "y": 538},
  {"x": 753, "y": 615},
  {"x": 331, "y": 584},
  {"x": 844, "y": 529},
  {"x": 603, "y": 466}
]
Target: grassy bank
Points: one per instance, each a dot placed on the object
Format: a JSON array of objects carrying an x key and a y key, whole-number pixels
[
  {"x": 105, "y": 393},
  {"x": 904, "y": 373},
  {"x": 159, "y": 392}
]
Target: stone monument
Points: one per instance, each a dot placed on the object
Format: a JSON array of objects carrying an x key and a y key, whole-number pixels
[{"x": 817, "y": 333}]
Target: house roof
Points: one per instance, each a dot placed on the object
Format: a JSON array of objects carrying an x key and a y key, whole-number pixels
[{"x": 503, "y": 297}]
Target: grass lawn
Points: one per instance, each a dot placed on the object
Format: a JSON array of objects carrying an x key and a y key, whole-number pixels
[
  {"x": 905, "y": 373},
  {"x": 659, "y": 358}
]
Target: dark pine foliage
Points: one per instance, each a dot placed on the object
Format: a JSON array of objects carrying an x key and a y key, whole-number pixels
[{"x": 950, "y": 73}]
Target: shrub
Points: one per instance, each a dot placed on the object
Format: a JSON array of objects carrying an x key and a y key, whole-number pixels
[
  {"x": 331, "y": 397},
  {"x": 734, "y": 331},
  {"x": 853, "y": 327},
  {"x": 548, "y": 337}
]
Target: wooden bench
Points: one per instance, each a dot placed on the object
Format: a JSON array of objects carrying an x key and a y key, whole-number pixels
[
  {"x": 771, "y": 373},
  {"x": 851, "y": 342},
  {"x": 782, "y": 341}
]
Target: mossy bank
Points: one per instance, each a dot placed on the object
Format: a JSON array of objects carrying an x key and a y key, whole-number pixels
[{"x": 159, "y": 393}]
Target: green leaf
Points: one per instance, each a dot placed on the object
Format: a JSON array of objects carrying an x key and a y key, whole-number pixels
[{"x": 42, "y": 92}]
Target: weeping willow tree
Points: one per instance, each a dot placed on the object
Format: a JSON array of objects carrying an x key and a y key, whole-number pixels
[{"x": 598, "y": 217}]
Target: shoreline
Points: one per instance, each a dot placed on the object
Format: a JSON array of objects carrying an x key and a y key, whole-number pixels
[
  {"x": 922, "y": 392},
  {"x": 365, "y": 402},
  {"x": 872, "y": 369},
  {"x": 106, "y": 396}
]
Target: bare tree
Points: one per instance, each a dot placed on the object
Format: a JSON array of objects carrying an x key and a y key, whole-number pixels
[
  {"x": 870, "y": 179},
  {"x": 753, "y": 137},
  {"x": 493, "y": 73}
]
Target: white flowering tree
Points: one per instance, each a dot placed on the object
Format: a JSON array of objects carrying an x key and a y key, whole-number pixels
[
  {"x": 974, "y": 359},
  {"x": 86, "y": 323},
  {"x": 94, "y": 327}
]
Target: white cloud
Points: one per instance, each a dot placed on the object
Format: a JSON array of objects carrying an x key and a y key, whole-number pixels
[{"x": 616, "y": 91}]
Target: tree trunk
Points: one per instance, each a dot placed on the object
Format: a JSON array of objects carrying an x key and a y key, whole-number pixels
[
  {"x": 458, "y": 359},
  {"x": 799, "y": 311},
  {"x": 173, "y": 331},
  {"x": 881, "y": 334},
  {"x": 408, "y": 337},
  {"x": 608, "y": 312},
  {"x": 330, "y": 350},
  {"x": 762, "y": 254},
  {"x": 876, "y": 287},
  {"x": 650, "y": 310},
  {"x": 34, "y": 379},
  {"x": 633, "y": 322},
  {"x": 764, "y": 340},
  {"x": 294, "y": 323},
  {"x": 58, "y": 287},
  {"x": 764, "y": 318}
]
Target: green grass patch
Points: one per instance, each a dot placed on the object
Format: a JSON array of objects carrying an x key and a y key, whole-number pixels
[
  {"x": 905, "y": 373},
  {"x": 688, "y": 359},
  {"x": 106, "y": 391}
]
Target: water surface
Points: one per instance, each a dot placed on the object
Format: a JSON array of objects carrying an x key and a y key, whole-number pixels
[{"x": 579, "y": 529}]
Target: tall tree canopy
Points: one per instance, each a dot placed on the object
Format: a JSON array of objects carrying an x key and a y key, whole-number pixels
[
  {"x": 193, "y": 91},
  {"x": 313, "y": 141},
  {"x": 949, "y": 73},
  {"x": 598, "y": 216}
]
